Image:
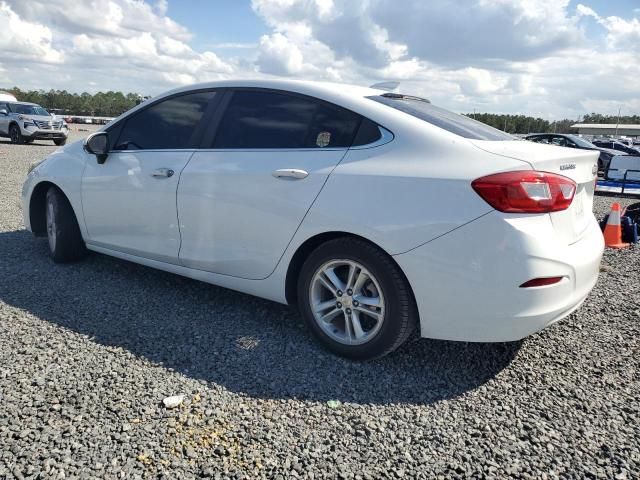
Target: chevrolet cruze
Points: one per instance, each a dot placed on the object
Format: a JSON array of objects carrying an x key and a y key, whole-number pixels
[{"x": 375, "y": 213}]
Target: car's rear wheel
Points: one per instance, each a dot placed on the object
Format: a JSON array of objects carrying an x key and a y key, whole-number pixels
[
  {"x": 63, "y": 233},
  {"x": 60, "y": 142},
  {"x": 15, "y": 135},
  {"x": 355, "y": 299}
]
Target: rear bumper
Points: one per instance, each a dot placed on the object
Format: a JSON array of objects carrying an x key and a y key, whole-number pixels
[{"x": 466, "y": 283}]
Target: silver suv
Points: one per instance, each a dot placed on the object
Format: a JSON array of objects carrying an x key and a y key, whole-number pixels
[{"x": 25, "y": 122}]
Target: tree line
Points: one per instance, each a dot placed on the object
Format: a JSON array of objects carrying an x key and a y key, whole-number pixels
[
  {"x": 101, "y": 104},
  {"x": 112, "y": 104},
  {"x": 525, "y": 124}
]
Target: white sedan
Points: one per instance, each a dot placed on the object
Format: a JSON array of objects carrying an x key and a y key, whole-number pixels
[{"x": 374, "y": 212}]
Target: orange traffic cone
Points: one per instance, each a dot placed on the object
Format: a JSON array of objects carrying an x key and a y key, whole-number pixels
[{"x": 613, "y": 230}]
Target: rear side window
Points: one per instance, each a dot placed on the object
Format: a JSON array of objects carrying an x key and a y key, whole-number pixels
[
  {"x": 265, "y": 119},
  {"x": 451, "y": 122},
  {"x": 368, "y": 133},
  {"x": 167, "y": 125}
]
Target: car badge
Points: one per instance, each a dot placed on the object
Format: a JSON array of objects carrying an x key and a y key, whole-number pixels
[
  {"x": 323, "y": 139},
  {"x": 568, "y": 166}
]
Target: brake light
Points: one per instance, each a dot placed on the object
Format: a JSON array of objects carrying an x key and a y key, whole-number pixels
[{"x": 526, "y": 191}]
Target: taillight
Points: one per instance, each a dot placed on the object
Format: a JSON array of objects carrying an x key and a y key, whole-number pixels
[{"x": 526, "y": 191}]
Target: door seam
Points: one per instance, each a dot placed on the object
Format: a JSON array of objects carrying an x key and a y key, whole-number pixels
[
  {"x": 177, "y": 209},
  {"x": 305, "y": 215}
]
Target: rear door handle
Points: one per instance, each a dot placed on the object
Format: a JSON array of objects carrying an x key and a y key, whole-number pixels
[
  {"x": 292, "y": 173},
  {"x": 163, "y": 172}
]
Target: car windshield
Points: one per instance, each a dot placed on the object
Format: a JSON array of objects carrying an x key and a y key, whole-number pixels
[
  {"x": 451, "y": 122},
  {"x": 29, "y": 109}
]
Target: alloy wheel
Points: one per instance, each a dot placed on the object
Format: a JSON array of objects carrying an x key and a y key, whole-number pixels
[{"x": 347, "y": 302}]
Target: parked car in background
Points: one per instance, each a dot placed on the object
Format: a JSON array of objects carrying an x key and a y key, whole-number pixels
[
  {"x": 373, "y": 212},
  {"x": 25, "y": 122},
  {"x": 574, "y": 141},
  {"x": 615, "y": 145}
]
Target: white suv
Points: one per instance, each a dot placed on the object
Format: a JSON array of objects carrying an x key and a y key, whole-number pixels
[{"x": 25, "y": 122}]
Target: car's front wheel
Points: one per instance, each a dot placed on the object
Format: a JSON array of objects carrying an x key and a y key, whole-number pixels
[
  {"x": 15, "y": 135},
  {"x": 60, "y": 142},
  {"x": 355, "y": 299},
  {"x": 63, "y": 233}
]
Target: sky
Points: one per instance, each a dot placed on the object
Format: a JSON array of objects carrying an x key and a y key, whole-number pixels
[{"x": 549, "y": 58}]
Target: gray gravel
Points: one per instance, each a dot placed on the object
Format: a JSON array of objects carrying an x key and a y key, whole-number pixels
[{"x": 89, "y": 351}]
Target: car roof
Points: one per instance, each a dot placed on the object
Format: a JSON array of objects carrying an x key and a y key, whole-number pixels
[
  {"x": 24, "y": 103},
  {"x": 549, "y": 133},
  {"x": 307, "y": 87}
]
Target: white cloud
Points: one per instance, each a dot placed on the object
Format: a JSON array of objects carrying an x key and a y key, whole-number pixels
[
  {"x": 24, "y": 40},
  {"x": 136, "y": 41},
  {"x": 280, "y": 56},
  {"x": 497, "y": 55},
  {"x": 621, "y": 33},
  {"x": 542, "y": 57}
]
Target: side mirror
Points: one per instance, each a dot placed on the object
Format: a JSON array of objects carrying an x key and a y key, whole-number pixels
[
  {"x": 98, "y": 144},
  {"x": 4, "y": 112}
]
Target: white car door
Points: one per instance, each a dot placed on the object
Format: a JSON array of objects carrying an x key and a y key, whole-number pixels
[
  {"x": 129, "y": 202},
  {"x": 241, "y": 201}
]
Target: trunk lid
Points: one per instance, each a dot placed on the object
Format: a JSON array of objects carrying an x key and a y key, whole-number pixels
[{"x": 579, "y": 165}]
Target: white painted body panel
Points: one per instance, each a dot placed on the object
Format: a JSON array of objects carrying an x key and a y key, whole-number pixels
[
  {"x": 412, "y": 197},
  {"x": 579, "y": 165},
  {"x": 236, "y": 218},
  {"x": 63, "y": 168},
  {"x": 127, "y": 209},
  {"x": 467, "y": 282}
]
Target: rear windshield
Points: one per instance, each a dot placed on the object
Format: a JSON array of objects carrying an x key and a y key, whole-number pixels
[
  {"x": 451, "y": 122},
  {"x": 581, "y": 142}
]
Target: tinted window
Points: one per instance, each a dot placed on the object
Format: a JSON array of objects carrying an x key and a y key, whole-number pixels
[
  {"x": 369, "y": 132},
  {"x": 260, "y": 119},
  {"x": 449, "y": 121},
  {"x": 169, "y": 124}
]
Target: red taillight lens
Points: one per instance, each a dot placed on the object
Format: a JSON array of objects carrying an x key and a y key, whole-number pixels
[
  {"x": 526, "y": 191},
  {"x": 541, "y": 282}
]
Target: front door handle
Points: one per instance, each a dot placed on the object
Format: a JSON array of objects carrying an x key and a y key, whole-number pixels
[
  {"x": 163, "y": 172},
  {"x": 292, "y": 173}
]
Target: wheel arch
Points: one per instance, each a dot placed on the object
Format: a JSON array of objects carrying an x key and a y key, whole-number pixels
[
  {"x": 308, "y": 246},
  {"x": 37, "y": 211}
]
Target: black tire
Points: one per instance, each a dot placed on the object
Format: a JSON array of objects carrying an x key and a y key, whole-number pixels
[
  {"x": 15, "y": 134},
  {"x": 400, "y": 313},
  {"x": 60, "y": 142},
  {"x": 63, "y": 233}
]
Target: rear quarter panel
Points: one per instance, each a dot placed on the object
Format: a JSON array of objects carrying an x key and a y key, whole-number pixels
[{"x": 404, "y": 193}]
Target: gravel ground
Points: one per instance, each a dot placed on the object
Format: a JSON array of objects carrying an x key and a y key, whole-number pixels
[{"x": 89, "y": 351}]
